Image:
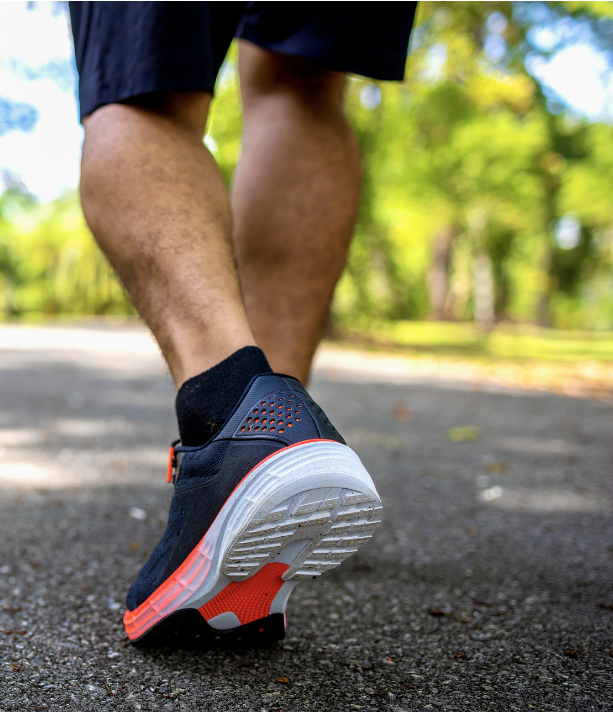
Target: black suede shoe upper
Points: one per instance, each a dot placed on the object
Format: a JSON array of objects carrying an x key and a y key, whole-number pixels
[{"x": 274, "y": 412}]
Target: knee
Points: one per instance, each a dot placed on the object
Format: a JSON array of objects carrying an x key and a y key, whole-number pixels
[
  {"x": 186, "y": 110},
  {"x": 266, "y": 74}
]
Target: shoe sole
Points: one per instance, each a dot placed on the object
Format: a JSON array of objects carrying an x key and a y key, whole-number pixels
[{"x": 300, "y": 512}]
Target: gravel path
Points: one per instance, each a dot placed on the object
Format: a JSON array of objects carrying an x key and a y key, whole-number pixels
[{"x": 489, "y": 586}]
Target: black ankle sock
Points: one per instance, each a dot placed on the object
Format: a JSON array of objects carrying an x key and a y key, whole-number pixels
[{"x": 205, "y": 402}]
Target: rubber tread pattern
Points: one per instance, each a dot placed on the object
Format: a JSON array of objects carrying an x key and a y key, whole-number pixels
[
  {"x": 250, "y": 599},
  {"x": 336, "y": 521}
]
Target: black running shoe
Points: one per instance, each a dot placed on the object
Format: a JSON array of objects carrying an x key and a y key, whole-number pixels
[{"x": 274, "y": 498}]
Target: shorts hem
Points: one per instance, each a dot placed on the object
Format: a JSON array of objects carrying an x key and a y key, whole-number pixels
[
  {"x": 123, "y": 86},
  {"x": 322, "y": 55}
]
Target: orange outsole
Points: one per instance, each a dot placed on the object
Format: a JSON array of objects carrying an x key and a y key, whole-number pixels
[{"x": 249, "y": 600}]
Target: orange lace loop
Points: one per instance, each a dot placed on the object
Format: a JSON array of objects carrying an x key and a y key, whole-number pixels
[{"x": 171, "y": 457}]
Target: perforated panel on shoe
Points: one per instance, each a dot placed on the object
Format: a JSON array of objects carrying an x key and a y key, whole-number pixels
[{"x": 281, "y": 414}]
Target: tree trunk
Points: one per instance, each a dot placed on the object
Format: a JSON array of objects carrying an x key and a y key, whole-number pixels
[
  {"x": 543, "y": 304},
  {"x": 440, "y": 270},
  {"x": 483, "y": 289}
]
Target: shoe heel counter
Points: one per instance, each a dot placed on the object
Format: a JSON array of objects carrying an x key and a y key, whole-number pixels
[
  {"x": 280, "y": 415},
  {"x": 327, "y": 431},
  {"x": 277, "y": 407}
]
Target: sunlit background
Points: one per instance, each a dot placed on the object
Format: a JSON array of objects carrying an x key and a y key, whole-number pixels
[{"x": 488, "y": 182}]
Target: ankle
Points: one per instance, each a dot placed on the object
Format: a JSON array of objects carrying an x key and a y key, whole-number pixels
[
  {"x": 204, "y": 402},
  {"x": 193, "y": 348}
]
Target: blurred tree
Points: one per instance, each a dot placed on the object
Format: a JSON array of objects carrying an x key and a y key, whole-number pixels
[
  {"x": 49, "y": 262},
  {"x": 483, "y": 197},
  {"x": 477, "y": 141}
]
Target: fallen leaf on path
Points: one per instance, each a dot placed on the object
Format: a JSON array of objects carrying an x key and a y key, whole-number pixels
[
  {"x": 402, "y": 413},
  {"x": 463, "y": 434},
  {"x": 496, "y": 468},
  {"x": 284, "y": 679}
]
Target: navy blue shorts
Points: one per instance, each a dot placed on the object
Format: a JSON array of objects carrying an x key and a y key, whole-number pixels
[{"x": 124, "y": 49}]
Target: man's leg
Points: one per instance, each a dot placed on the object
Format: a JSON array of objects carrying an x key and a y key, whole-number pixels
[
  {"x": 269, "y": 459},
  {"x": 294, "y": 201},
  {"x": 155, "y": 200}
]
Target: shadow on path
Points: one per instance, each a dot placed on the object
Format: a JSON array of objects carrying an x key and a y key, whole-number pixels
[{"x": 488, "y": 587}]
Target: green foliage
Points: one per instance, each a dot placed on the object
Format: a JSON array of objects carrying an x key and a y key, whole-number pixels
[
  {"x": 508, "y": 343},
  {"x": 469, "y": 147},
  {"x": 225, "y": 124},
  {"x": 49, "y": 262},
  {"x": 469, "y": 166}
]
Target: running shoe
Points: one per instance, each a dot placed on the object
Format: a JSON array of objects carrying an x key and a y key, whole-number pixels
[{"x": 276, "y": 497}]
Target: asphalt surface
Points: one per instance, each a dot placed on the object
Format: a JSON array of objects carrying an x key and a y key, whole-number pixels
[{"x": 489, "y": 586}]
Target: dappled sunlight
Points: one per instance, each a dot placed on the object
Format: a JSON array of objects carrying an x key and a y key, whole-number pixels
[
  {"x": 103, "y": 337},
  {"x": 28, "y": 475},
  {"x": 535, "y": 445},
  {"x": 69, "y": 467},
  {"x": 575, "y": 363},
  {"x": 543, "y": 500},
  {"x": 507, "y": 341},
  {"x": 78, "y": 427},
  {"x": 19, "y": 437},
  {"x": 71, "y": 427},
  {"x": 128, "y": 350}
]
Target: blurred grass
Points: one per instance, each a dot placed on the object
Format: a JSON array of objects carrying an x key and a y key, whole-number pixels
[
  {"x": 468, "y": 342},
  {"x": 576, "y": 363}
]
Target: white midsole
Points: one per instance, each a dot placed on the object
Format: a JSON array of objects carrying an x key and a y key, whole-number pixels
[{"x": 303, "y": 467}]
